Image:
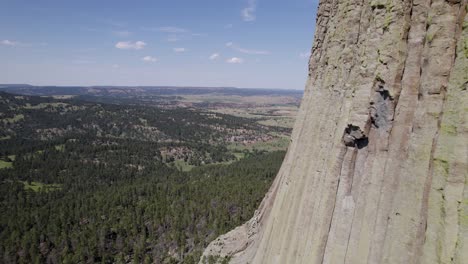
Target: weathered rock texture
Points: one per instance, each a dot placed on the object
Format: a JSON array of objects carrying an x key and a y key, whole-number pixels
[{"x": 377, "y": 168}]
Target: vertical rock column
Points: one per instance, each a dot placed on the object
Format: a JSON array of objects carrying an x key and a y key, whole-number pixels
[{"x": 377, "y": 168}]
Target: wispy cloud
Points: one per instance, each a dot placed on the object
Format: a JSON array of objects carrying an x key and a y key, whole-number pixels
[
  {"x": 114, "y": 23},
  {"x": 180, "y": 50},
  {"x": 10, "y": 43},
  {"x": 248, "y": 13},
  {"x": 128, "y": 45},
  {"x": 122, "y": 33},
  {"x": 305, "y": 55},
  {"x": 235, "y": 60},
  {"x": 174, "y": 33},
  {"x": 246, "y": 51},
  {"x": 199, "y": 34},
  {"x": 173, "y": 38},
  {"x": 214, "y": 56},
  {"x": 169, "y": 29},
  {"x": 149, "y": 59}
]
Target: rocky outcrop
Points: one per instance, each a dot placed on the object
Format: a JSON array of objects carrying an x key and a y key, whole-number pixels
[{"x": 377, "y": 171}]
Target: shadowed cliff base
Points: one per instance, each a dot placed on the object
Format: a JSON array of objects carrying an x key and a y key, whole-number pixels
[{"x": 377, "y": 168}]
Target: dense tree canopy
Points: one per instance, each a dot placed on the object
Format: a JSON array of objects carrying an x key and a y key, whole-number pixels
[{"x": 96, "y": 183}]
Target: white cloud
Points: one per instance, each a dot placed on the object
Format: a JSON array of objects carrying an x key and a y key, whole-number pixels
[
  {"x": 149, "y": 59},
  {"x": 214, "y": 56},
  {"x": 180, "y": 50},
  {"x": 122, "y": 33},
  {"x": 199, "y": 34},
  {"x": 172, "y": 29},
  {"x": 174, "y": 33},
  {"x": 248, "y": 13},
  {"x": 235, "y": 60},
  {"x": 127, "y": 45},
  {"x": 10, "y": 43},
  {"x": 114, "y": 23},
  {"x": 305, "y": 55},
  {"x": 246, "y": 51},
  {"x": 172, "y": 38}
]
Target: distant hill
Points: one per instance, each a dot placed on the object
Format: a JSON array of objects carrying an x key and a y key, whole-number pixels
[{"x": 130, "y": 91}]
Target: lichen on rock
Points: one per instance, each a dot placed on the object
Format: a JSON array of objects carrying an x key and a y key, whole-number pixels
[{"x": 377, "y": 169}]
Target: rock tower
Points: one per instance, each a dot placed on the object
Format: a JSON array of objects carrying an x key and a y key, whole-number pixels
[{"x": 377, "y": 170}]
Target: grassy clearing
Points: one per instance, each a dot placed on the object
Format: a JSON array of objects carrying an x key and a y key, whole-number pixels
[
  {"x": 259, "y": 100},
  {"x": 60, "y": 147},
  {"x": 260, "y": 111},
  {"x": 183, "y": 166},
  {"x": 281, "y": 143},
  {"x": 277, "y": 116},
  {"x": 41, "y": 187},
  {"x": 14, "y": 119},
  {"x": 44, "y": 105},
  {"x": 212, "y": 98},
  {"x": 240, "y": 112},
  {"x": 239, "y": 155},
  {"x": 279, "y": 122},
  {"x": 5, "y": 164},
  {"x": 63, "y": 96}
]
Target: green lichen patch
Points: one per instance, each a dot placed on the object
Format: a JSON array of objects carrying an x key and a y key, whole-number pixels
[
  {"x": 387, "y": 22},
  {"x": 465, "y": 48},
  {"x": 449, "y": 129},
  {"x": 463, "y": 214},
  {"x": 440, "y": 163}
]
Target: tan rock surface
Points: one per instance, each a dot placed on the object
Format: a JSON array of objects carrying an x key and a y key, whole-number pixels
[{"x": 377, "y": 171}]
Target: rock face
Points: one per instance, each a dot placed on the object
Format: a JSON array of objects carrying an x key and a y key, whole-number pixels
[{"x": 377, "y": 171}]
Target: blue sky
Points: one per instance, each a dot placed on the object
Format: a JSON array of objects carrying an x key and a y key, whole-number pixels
[{"x": 241, "y": 43}]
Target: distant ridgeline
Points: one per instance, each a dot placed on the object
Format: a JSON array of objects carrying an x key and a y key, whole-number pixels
[{"x": 136, "y": 91}]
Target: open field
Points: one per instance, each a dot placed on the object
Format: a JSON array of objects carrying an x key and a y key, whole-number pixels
[
  {"x": 45, "y": 105},
  {"x": 5, "y": 164},
  {"x": 41, "y": 187},
  {"x": 258, "y": 100},
  {"x": 14, "y": 119},
  {"x": 280, "y": 143}
]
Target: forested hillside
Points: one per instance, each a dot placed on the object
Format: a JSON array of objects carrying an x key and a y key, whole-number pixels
[
  {"x": 191, "y": 136},
  {"x": 84, "y": 182}
]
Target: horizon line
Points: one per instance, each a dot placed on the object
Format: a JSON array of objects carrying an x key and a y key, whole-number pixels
[{"x": 145, "y": 86}]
